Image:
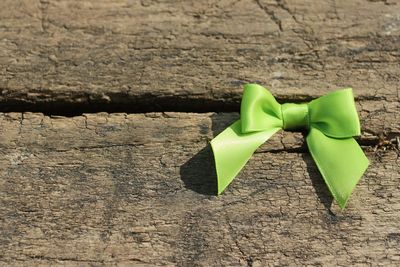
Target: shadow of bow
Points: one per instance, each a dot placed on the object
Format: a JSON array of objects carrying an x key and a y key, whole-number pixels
[
  {"x": 321, "y": 189},
  {"x": 199, "y": 175}
]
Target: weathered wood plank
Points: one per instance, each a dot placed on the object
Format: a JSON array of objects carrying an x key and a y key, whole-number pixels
[
  {"x": 137, "y": 190},
  {"x": 163, "y": 55},
  {"x": 379, "y": 124}
]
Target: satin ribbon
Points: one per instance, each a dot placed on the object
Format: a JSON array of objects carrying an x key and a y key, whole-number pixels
[{"x": 331, "y": 121}]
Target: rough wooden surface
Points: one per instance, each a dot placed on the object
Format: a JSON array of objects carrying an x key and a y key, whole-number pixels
[
  {"x": 138, "y": 190},
  {"x": 192, "y": 55}
]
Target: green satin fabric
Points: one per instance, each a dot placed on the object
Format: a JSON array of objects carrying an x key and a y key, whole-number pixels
[{"x": 331, "y": 121}]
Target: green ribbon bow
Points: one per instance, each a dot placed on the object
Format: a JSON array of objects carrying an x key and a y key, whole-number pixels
[{"x": 331, "y": 120}]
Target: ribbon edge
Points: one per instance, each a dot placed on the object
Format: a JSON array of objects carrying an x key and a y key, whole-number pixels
[
  {"x": 342, "y": 204},
  {"x": 272, "y": 132}
]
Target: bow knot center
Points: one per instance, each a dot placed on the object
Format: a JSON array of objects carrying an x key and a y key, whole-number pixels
[{"x": 295, "y": 116}]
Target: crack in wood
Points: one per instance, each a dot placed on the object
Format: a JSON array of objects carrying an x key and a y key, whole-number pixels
[
  {"x": 43, "y": 6},
  {"x": 271, "y": 14}
]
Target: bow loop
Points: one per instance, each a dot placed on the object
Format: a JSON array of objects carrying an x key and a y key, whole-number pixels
[
  {"x": 259, "y": 110},
  {"x": 335, "y": 114}
]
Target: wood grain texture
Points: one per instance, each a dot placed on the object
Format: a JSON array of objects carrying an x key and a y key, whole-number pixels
[
  {"x": 104, "y": 189},
  {"x": 190, "y": 55},
  {"x": 137, "y": 189}
]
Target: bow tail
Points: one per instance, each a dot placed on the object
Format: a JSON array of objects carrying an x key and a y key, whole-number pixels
[
  {"x": 232, "y": 149},
  {"x": 340, "y": 161}
]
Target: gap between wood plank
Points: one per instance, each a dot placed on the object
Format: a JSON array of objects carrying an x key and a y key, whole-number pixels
[{"x": 120, "y": 103}]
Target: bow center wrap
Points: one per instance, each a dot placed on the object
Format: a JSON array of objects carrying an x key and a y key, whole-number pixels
[
  {"x": 331, "y": 121},
  {"x": 295, "y": 116}
]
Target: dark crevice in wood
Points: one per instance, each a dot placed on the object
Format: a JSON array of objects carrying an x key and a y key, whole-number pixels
[
  {"x": 69, "y": 106},
  {"x": 53, "y": 103},
  {"x": 125, "y": 105}
]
